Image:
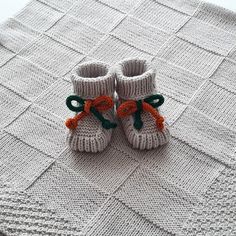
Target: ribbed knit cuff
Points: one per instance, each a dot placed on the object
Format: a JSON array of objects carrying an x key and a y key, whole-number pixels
[
  {"x": 93, "y": 79},
  {"x": 135, "y": 79}
]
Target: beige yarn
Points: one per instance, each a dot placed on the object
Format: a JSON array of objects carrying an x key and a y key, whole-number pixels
[
  {"x": 136, "y": 80},
  {"x": 90, "y": 80},
  {"x": 186, "y": 187}
]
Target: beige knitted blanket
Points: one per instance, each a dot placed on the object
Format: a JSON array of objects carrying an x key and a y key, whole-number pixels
[{"x": 187, "y": 187}]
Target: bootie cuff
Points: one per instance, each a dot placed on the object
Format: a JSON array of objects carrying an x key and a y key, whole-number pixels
[
  {"x": 91, "y": 80},
  {"x": 135, "y": 79}
]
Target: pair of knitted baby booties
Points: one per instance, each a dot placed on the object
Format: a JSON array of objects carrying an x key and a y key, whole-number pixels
[{"x": 94, "y": 84}]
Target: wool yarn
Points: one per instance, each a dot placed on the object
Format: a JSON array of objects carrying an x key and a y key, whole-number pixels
[
  {"x": 94, "y": 85},
  {"x": 144, "y": 129}
]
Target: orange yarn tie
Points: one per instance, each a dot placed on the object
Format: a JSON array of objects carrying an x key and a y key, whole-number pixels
[
  {"x": 102, "y": 103},
  {"x": 126, "y": 108},
  {"x": 129, "y": 107}
]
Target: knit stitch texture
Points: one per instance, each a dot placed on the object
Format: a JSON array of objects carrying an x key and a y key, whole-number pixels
[
  {"x": 186, "y": 187},
  {"x": 91, "y": 80},
  {"x": 136, "y": 82}
]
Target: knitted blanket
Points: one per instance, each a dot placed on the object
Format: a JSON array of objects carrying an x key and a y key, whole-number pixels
[{"x": 187, "y": 187}]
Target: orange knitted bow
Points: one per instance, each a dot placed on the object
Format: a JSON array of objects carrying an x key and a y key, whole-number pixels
[
  {"x": 95, "y": 106},
  {"x": 130, "y": 107}
]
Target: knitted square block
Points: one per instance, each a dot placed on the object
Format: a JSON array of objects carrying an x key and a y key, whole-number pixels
[
  {"x": 183, "y": 165},
  {"x": 14, "y": 35},
  {"x": 62, "y": 5},
  {"x": 12, "y": 105},
  {"x": 150, "y": 40},
  {"x": 96, "y": 14},
  {"x": 121, "y": 5},
  {"x": 5, "y": 55},
  {"x": 75, "y": 34},
  {"x": 157, "y": 200},
  {"x": 108, "y": 169},
  {"x": 190, "y": 57},
  {"x": 41, "y": 130},
  {"x": 219, "y": 206},
  {"x": 53, "y": 99},
  {"x": 217, "y": 103},
  {"x": 185, "y": 6},
  {"x": 43, "y": 18},
  {"x": 175, "y": 82},
  {"x": 22, "y": 214},
  {"x": 106, "y": 222},
  {"x": 172, "y": 109},
  {"x": 219, "y": 17},
  {"x": 113, "y": 50},
  {"x": 19, "y": 167},
  {"x": 70, "y": 194},
  {"x": 51, "y": 55},
  {"x": 225, "y": 75},
  {"x": 207, "y": 36},
  {"x": 206, "y": 135},
  {"x": 25, "y": 78},
  {"x": 160, "y": 16}
]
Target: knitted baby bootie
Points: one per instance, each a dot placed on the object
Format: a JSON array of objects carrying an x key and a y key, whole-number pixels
[
  {"x": 144, "y": 127},
  {"x": 91, "y": 128}
]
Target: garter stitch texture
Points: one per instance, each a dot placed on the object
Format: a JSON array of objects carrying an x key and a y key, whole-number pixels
[
  {"x": 184, "y": 188},
  {"x": 136, "y": 81},
  {"x": 91, "y": 80}
]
